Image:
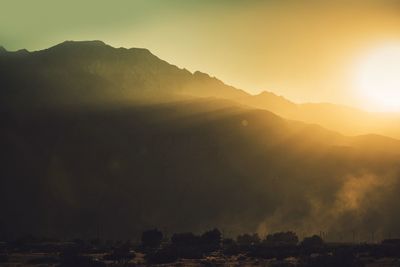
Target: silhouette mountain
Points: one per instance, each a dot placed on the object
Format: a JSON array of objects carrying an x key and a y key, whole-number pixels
[
  {"x": 185, "y": 166},
  {"x": 93, "y": 73},
  {"x": 340, "y": 118},
  {"x": 114, "y": 140}
]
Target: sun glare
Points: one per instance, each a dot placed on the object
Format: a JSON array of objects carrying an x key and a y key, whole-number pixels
[{"x": 378, "y": 79}]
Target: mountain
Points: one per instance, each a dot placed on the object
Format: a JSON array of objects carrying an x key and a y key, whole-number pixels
[
  {"x": 82, "y": 73},
  {"x": 117, "y": 140},
  {"x": 347, "y": 120},
  {"x": 188, "y": 166},
  {"x": 93, "y": 73}
]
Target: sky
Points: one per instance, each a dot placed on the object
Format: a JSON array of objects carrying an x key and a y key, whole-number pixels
[{"x": 307, "y": 51}]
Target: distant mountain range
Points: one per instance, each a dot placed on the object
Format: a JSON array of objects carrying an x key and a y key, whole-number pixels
[
  {"x": 98, "y": 139},
  {"x": 91, "y": 72}
]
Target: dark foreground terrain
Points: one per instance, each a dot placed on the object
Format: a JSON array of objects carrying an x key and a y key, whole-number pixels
[{"x": 281, "y": 249}]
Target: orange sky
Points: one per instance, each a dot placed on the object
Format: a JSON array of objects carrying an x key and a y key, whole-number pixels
[{"x": 303, "y": 50}]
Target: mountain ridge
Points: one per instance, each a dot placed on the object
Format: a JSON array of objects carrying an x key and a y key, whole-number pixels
[
  {"x": 84, "y": 143},
  {"x": 183, "y": 165},
  {"x": 93, "y": 69}
]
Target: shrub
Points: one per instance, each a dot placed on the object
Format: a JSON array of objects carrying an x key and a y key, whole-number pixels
[
  {"x": 164, "y": 255},
  {"x": 248, "y": 240},
  {"x": 230, "y": 247},
  {"x": 120, "y": 255},
  {"x": 71, "y": 257},
  {"x": 190, "y": 252},
  {"x": 185, "y": 239},
  {"x": 211, "y": 240},
  {"x": 282, "y": 239},
  {"x": 312, "y": 242},
  {"x": 152, "y": 238}
]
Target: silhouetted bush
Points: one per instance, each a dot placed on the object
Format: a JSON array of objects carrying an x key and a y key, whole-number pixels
[
  {"x": 314, "y": 242},
  {"x": 120, "y": 254},
  {"x": 270, "y": 252},
  {"x": 185, "y": 239},
  {"x": 71, "y": 257},
  {"x": 167, "y": 254},
  {"x": 190, "y": 252},
  {"x": 188, "y": 245},
  {"x": 282, "y": 239},
  {"x": 152, "y": 238},
  {"x": 211, "y": 240},
  {"x": 248, "y": 240},
  {"x": 230, "y": 247}
]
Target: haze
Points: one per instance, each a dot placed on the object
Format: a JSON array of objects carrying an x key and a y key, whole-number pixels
[
  {"x": 279, "y": 118},
  {"x": 307, "y": 52}
]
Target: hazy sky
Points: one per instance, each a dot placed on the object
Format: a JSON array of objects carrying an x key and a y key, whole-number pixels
[{"x": 303, "y": 50}]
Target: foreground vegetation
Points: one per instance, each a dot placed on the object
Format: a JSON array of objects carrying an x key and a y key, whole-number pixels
[{"x": 207, "y": 249}]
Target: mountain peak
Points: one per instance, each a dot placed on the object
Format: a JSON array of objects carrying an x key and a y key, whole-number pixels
[
  {"x": 74, "y": 44},
  {"x": 201, "y": 74},
  {"x": 2, "y": 49},
  {"x": 267, "y": 94},
  {"x": 88, "y": 43},
  {"x": 22, "y": 52},
  {"x": 94, "y": 45}
]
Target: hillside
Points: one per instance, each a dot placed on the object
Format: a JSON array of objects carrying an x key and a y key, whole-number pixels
[
  {"x": 117, "y": 141},
  {"x": 93, "y": 73},
  {"x": 347, "y": 120},
  {"x": 187, "y": 166}
]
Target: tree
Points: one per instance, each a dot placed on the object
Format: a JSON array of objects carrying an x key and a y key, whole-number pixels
[
  {"x": 121, "y": 254},
  {"x": 211, "y": 239},
  {"x": 248, "y": 240},
  {"x": 185, "y": 239},
  {"x": 312, "y": 242},
  {"x": 282, "y": 239},
  {"x": 188, "y": 245},
  {"x": 230, "y": 247},
  {"x": 152, "y": 238},
  {"x": 164, "y": 255}
]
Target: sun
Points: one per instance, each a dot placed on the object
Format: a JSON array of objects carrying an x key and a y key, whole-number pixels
[{"x": 378, "y": 79}]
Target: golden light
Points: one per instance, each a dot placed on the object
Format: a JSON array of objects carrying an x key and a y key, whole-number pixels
[{"x": 378, "y": 79}]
